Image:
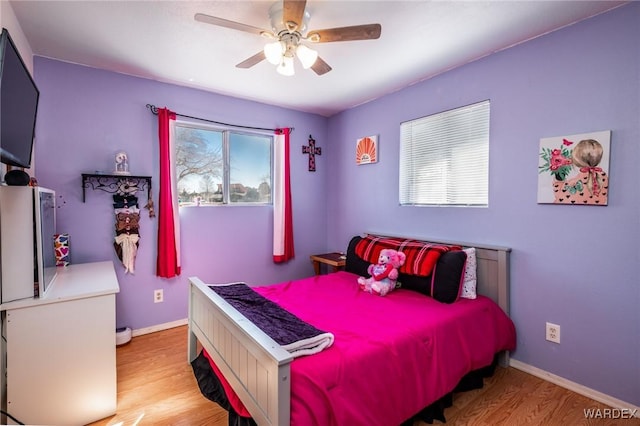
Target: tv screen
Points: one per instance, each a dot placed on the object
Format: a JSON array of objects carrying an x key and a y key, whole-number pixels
[
  {"x": 18, "y": 106},
  {"x": 45, "y": 231}
]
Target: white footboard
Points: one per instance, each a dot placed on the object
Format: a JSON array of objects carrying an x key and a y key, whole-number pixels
[{"x": 255, "y": 366}]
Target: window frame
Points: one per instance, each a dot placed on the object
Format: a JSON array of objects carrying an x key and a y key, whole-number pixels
[{"x": 226, "y": 132}]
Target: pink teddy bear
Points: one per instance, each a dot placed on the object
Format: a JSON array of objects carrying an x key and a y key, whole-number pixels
[{"x": 384, "y": 274}]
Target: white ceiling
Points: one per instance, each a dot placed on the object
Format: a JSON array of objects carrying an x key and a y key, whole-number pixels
[{"x": 160, "y": 40}]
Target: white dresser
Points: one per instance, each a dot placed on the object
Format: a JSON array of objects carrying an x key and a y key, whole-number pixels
[{"x": 61, "y": 349}]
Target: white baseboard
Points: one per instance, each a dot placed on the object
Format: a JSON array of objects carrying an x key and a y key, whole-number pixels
[
  {"x": 575, "y": 387},
  {"x": 159, "y": 327}
]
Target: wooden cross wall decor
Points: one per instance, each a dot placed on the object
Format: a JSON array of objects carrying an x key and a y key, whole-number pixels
[{"x": 312, "y": 150}]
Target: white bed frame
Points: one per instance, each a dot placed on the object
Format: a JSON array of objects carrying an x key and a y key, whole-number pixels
[{"x": 258, "y": 369}]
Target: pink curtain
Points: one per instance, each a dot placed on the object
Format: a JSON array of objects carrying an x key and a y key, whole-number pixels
[
  {"x": 282, "y": 216},
  {"x": 168, "y": 263}
]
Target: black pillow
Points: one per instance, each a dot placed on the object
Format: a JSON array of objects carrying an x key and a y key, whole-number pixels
[
  {"x": 448, "y": 276},
  {"x": 354, "y": 263},
  {"x": 415, "y": 283}
]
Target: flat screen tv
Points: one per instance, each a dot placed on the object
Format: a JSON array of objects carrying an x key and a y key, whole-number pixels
[
  {"x": 45, "y": 230},
  {"x": 18, "y": 106}
]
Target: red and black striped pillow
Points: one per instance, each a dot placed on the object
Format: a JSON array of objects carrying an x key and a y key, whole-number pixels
[{"x": 421, "y": 256}]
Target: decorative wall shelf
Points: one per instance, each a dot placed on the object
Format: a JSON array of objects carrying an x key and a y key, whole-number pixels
[{"x": 114, "y": 184}]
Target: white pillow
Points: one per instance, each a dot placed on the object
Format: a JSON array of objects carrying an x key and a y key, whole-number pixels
[{"x": 470, "y": 278}]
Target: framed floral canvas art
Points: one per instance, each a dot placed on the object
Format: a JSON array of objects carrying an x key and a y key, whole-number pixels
[
  {"x": 574, "y": 169},
  {"x": 367, "y": 150}
]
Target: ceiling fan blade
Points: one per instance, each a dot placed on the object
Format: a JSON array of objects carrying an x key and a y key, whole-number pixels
[
  {"x": 293, "y": 11},
  {"x": 356, "y": 32},
  {"x": 248, "y": 63},
  {"x": 320, "y": 67},
  {"x": 214, "y": 20}
]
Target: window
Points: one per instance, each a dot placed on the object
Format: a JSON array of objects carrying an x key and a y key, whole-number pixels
[
  {"x": 444, "y": 158},
  {"x": 216, "y": 167}
]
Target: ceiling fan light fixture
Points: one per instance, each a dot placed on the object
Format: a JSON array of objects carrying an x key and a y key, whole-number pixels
[
  {"x": 306, "y": 55},
  {"x": 289, "y": 20},
  {"x": 274, "y": 51},
  {"x": 286, "y": 66}
]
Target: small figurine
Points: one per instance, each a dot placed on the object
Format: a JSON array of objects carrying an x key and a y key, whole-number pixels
[{"x": 122, "y": 163}]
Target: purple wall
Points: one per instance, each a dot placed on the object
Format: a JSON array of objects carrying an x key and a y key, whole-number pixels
[
  {"x": 86, "y": 115},
  {"x": 575, "y": 266}
]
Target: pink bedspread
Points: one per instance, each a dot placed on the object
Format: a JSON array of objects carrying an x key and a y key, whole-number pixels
[{"x": 392, "y": 355}]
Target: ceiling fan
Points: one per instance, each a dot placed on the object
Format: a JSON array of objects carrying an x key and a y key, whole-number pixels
[{"x": 289, "y": 20}]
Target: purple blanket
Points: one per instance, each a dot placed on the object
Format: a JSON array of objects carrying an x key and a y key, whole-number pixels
[{"x": 293, "y": 334}]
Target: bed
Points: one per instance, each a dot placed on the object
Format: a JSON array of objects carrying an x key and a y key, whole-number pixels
[{"x": 278, "y": 391}]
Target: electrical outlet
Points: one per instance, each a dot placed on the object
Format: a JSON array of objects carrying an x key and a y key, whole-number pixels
[
  {"x": 553, "y": 332},
  {"x": 158, "y": 296}
]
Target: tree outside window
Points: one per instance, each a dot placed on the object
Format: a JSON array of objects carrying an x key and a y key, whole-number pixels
[{"x": 217, "y": 167}]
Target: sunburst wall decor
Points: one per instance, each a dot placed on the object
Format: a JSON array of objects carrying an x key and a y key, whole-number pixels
[{"x": 367, "y": 150}]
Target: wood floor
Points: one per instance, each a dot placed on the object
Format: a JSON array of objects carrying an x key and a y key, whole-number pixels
[{"x": 156, "y": 386}]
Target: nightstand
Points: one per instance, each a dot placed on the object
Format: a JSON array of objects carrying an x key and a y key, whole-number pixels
[{"x": 336, "y": 260}]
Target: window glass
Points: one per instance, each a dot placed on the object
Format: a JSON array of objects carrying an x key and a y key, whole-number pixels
[
  {"x": 250, "y": 171},
  {"x": 215, "y": 167}
]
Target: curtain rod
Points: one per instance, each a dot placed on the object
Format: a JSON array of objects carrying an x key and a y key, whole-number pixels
[{"x": 154, "y": 110}]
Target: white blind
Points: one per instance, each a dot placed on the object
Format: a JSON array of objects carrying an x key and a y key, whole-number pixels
[{"x": 444, "y": 158}]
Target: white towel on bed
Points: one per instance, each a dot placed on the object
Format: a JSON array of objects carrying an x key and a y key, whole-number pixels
[{"x": 310, "y": 346}]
